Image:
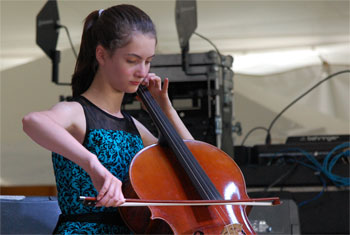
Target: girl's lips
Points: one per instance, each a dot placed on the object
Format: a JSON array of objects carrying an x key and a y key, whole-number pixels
[{"x": 135, "y": 83}]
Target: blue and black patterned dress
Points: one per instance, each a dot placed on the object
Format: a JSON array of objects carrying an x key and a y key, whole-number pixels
[{"x": 114, "y": 141}]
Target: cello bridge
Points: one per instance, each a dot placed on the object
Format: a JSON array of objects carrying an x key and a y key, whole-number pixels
[{"x": 233, "y": 229}]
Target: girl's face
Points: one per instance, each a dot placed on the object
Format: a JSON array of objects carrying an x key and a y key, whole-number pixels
[{"x": 125, "y": 69}]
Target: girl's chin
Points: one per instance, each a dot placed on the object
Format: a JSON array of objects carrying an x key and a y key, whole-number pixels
[
  {"x": 128, "y": 90},
  {"x": 132, "y": 89}
]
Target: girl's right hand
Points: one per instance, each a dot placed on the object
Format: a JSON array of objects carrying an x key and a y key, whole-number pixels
[{"x": 108, "y": 186}]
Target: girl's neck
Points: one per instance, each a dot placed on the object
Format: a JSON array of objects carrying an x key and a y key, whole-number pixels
[{"x": 106, "y": 99}]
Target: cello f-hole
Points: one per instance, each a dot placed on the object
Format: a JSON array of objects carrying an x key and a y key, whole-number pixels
[{"x": 198, "y": 233}]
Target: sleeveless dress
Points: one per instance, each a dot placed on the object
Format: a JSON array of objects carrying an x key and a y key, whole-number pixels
[{"x": 114, "y": 141}]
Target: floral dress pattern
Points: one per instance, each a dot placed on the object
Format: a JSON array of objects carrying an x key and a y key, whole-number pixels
[{"x": 115, "y": 146}]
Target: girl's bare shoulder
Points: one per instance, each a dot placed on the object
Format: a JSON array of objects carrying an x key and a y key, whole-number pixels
[
  {"x": 67, "y": 113},
  {"x": 66, "y": 108}
]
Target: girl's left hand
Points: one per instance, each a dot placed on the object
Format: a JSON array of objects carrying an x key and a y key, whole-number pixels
[{"x": 159, "y": 93}]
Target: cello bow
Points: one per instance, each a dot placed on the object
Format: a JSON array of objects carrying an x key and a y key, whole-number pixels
[{"x": 271, "y": 201}]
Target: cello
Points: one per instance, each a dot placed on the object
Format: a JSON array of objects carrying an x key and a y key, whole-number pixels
[{"x": 187, "y": 171}]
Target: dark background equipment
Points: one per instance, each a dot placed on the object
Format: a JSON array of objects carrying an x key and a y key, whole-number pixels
[
  {"x": 281, "y": 219},
  {"x": 328, "y": 215},
  {"x": 294, "y": 171},
  {"x": 301, "y": 155}
]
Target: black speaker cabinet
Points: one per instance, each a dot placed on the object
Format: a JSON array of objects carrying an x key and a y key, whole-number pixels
[
  {"x": 279, "y": 219},
  {"x": 318, "y": 214}
]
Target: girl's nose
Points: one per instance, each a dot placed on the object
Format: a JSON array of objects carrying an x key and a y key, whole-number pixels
[{"x": 142, "y": 70}]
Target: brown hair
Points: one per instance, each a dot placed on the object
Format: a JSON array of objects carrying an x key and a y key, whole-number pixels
[{"x": 112, "y": 28}]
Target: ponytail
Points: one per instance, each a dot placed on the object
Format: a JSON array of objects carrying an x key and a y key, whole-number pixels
[{"x": 86, "y": 65}]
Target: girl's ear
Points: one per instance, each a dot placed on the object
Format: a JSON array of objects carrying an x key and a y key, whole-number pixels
[{"x": 100, "y": 54}]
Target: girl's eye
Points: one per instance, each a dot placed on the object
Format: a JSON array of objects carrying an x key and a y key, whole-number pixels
[{"x": 131, "y": 61}]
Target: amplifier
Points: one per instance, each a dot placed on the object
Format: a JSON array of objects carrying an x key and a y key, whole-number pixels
[
  {"x": 293, "y": 163},
  {"x": 318, "y": 139},
  {"x": 296, "y": 146}
]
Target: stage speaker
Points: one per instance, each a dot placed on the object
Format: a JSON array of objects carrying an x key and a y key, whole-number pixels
[
  {"x": 327, "y": 213},
  {"x": 28, "y": 215},
  {"x": 279, "y": 219}
]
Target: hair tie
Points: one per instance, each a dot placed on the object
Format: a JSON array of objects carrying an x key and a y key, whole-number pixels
[{"x": 100, "y": 12}]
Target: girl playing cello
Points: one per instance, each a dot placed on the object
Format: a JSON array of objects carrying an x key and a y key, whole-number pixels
[{"x": 93, "y": 141}]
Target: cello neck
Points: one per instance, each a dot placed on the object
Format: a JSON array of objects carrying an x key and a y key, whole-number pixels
[{"x": 198, "y": 177}]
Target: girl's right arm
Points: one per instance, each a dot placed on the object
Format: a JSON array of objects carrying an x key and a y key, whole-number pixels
[
  {"x": 61, "y": 129},
  {"x": 54, "y": 129}
]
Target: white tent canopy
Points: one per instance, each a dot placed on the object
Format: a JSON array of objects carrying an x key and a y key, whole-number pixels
[{"x": 258, "y": 32}]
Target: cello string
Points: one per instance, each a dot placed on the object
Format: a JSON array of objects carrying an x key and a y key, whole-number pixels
[{"x": 181, "y": 148}]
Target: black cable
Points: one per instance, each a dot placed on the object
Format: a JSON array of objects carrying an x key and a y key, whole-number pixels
[
  {"x": 282, "y": 177},
  {"x": 211, "y": 43},
  {"x": 216, "y": 49},
  {"x": 251, "y": 131},
  {"x": 268, "y": 136},
  {"x": 324, "y": 187},
  {"x": 70, "y": 39}
]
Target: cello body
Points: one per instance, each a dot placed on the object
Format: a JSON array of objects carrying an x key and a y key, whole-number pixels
[
  {"x": 155, "y": 173},
  {"x": 183, "y": 170}
]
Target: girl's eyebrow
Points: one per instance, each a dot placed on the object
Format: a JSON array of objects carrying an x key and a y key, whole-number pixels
[{"x": 135, "y": 55}]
